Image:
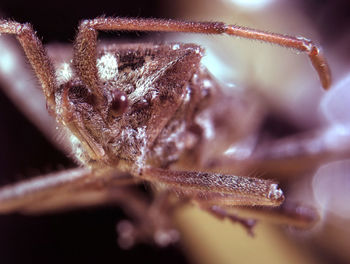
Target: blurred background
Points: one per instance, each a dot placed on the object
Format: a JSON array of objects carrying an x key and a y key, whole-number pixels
[{"x": 285, "y": 81}]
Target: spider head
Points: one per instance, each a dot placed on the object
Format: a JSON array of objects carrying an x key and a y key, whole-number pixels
[{"x": 140, "y": 88}]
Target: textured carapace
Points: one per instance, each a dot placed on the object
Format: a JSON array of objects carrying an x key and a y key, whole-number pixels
[{"x": 153, "y": 80}]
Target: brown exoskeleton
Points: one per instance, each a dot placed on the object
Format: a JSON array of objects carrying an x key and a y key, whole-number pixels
[{"x": 145, "y": 112}]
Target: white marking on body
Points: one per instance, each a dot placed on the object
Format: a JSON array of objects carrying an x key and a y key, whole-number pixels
[
  {"x": 141, "y": 136},
  {"x": 77, "y": 148},
  {"x": 107, "y": 67},
  {"x": 64, "y": 73},
  {"x": 144, "y": 85},
  {"x": 59, "y": 108},
  {"x": 136, "y": 139}
]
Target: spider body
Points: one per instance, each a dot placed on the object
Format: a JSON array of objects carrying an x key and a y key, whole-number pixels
[
  {"x": 141, "y": 108},
  {"x": 172, "y": 103},
  {"x": 154, "y": 80}
]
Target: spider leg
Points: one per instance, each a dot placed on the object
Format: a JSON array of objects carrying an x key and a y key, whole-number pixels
[
  {"x": 149, "y": 221},
  {"x": 290, "y": 155},
  {"x": 36, "y": 55},
  {"x": 289, "y": 213},
  {"x": 18, "y": 196},
  {"x": 236, "y": 198},
  {"x": 67, "y": 189},
  {"x": 303, "y": 152},
  {"x": 236, "y": 190},
  {"x": 77, "y": 188},
  {"x": 19, "y": 85},
  {"x": 84, "y": 58},
  {"x": 221, "y": 213},
  {"x": 153, "y": 223}
]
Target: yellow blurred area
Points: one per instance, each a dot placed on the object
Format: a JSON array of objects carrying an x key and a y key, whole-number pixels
[{"x": 211, "y": 240}]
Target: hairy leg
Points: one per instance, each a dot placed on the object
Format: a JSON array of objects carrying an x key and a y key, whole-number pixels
[
  {"x": 288, "y": 214},
  {"x": 292, "y": 155},
  {"x": 221, "y": 213},
  {"x": 154, "y": 223},
  {"x": 235, "y": 190},
  {"x": 58, "y": 190},
  {"x": 150, "y": 219},
  {"x": 85, "y": 48},
  {"x": 36, "y": 55}
]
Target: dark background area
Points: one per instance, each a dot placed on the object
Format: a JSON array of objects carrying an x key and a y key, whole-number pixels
[{"x": 88, "y": 235}]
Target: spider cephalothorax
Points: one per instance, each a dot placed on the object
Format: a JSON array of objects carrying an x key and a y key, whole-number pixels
[{"x": 142, "y": 87}]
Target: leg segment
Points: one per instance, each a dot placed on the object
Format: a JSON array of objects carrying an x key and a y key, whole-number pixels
[
  {"x": 21, "y": 195},
  {"x": 86, "y": 42},
  {"x": 239, "y": 199},
  {"x": 292, "y": 155},
  {"x": 221, "y": 213},
  {"x": 235, "y": 189},
  {"x": 152, "y": 221},
  {"x": 36, "y": 55},
  {"x": 288, "y": 214},
  {"x": 62, "y": 190}
]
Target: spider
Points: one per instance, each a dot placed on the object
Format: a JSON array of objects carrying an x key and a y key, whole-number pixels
[{"x": 147, "y": 112}]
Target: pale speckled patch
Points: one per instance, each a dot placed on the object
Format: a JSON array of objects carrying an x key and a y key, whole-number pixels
[
  {"x": 107, "y": 66},
  {"x": 64, "y": 73},
  {"x": 144, "y": 85},
  {"x": 141, "y": 137},
  {"x": 77, "y": 149}
]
